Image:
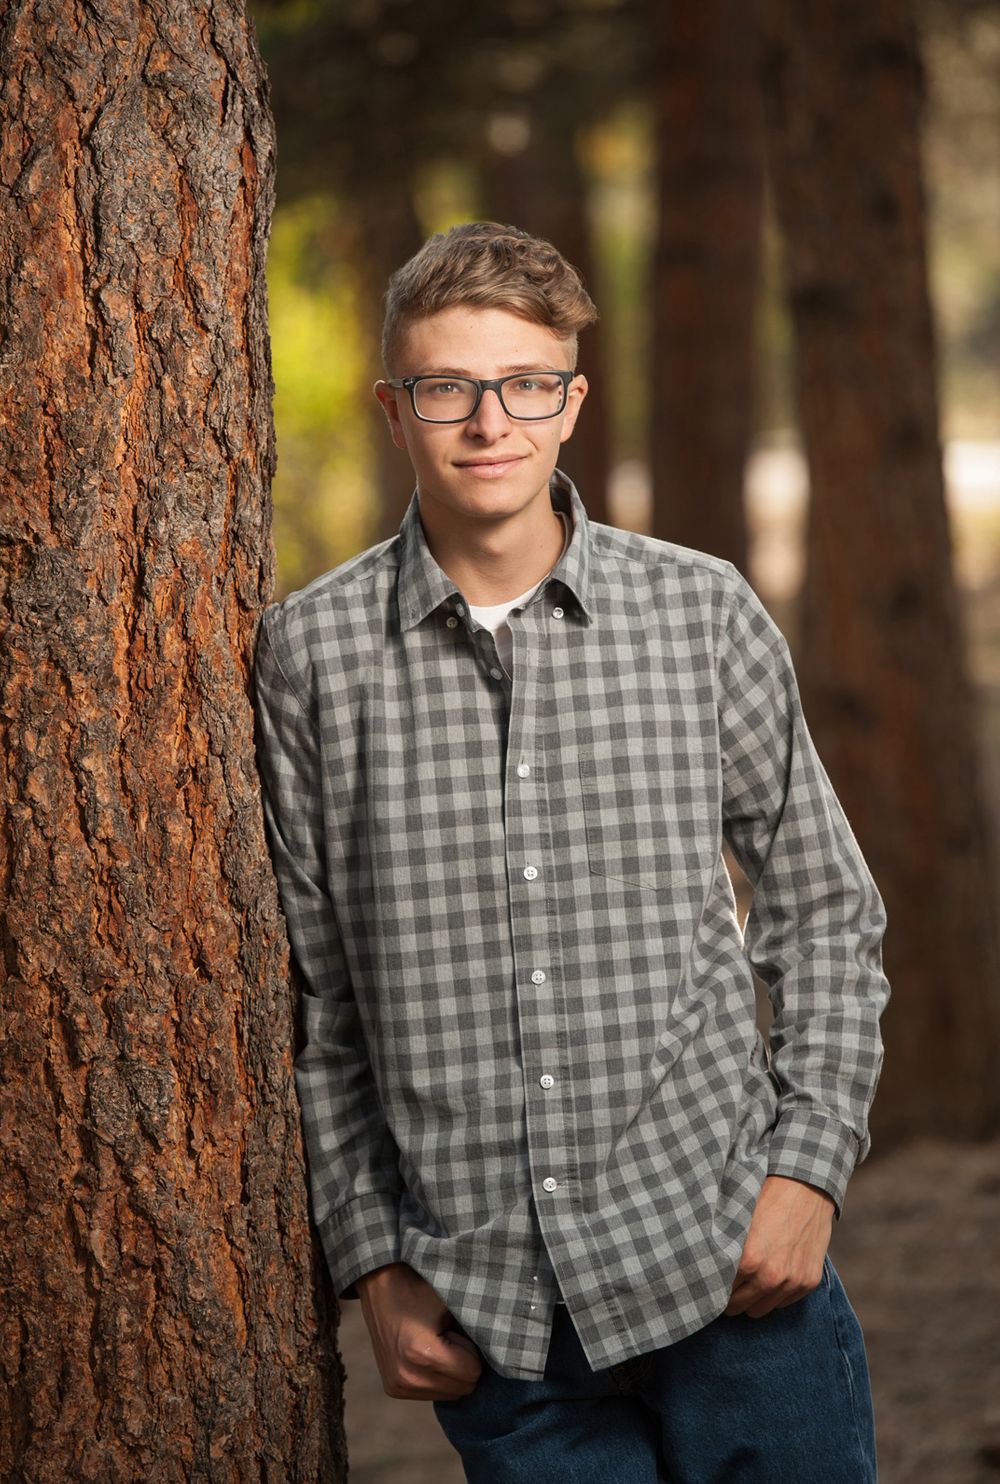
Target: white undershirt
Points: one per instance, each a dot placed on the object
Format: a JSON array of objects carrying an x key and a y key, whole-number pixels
[{"x": 494, "y": 616}]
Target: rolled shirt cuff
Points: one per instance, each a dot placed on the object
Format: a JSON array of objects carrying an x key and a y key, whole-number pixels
[
  {"x": 360, "y": 1236},
  {"x": 809, "y": 1145}
]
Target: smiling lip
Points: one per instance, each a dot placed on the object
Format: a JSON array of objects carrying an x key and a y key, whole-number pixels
[{"x": 490, "y": 466}]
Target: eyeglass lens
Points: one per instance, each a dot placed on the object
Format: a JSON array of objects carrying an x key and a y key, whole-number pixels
[{"x": 449, "y": 398}]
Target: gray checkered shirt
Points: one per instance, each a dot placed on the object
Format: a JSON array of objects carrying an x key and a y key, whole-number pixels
[{"x": 530, "y": 1060}]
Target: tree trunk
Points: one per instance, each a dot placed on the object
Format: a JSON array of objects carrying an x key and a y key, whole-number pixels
[
  {"x": 159, "y": 1284},
  {"x": 882, "y": 661},
  {"x": 705, "y": 274},
  {"x": 541, "y": 189}
]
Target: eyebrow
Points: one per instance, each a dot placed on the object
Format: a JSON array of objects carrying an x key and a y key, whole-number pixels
[{"x": 504, "y": 370}]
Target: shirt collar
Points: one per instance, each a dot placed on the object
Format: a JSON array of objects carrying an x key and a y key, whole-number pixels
[{"x": 423, "y": 585}]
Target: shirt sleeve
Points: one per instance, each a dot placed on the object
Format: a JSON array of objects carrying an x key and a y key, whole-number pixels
[
  {"x": 815, "y": 927},
  {"x": 353, "y": 1160}
]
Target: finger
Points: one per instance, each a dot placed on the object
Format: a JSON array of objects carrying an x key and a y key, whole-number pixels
[
  {"x": 410, "y": 1383},
  {"x": 457, "y": 1337},
  {"x": 443, "y": 1358},
  {"x": 754, "y": 1299},
  {"x": 797, "y": 1296},
  {"x": 464, "y": 1362},
  {"x": 432, "y": 1383},
  {"x": 778, "y": 1297},
  {"x": 414, "y": 1390},
  {"x": 761, "y": 1309},
  {"x": 742, "y": 1296}
]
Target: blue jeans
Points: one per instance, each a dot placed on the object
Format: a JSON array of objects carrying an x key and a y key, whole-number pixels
[{"x": 784, "y": 1399}]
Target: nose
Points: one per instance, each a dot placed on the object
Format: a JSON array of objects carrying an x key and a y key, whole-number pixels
[{"x": 489, "y": 419}]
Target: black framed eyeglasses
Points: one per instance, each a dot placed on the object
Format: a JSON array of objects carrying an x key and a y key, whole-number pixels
[{"x": 528, "y": 396}]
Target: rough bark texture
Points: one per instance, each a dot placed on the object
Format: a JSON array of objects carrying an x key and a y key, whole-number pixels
[
  {"x": 157, "y": 1279},
  {"x": 705, "y": 273},
  {"x": 882, "y": 662}
]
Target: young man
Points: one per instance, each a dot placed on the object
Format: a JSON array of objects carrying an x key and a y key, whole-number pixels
[{"x": 585, "y": 1212}]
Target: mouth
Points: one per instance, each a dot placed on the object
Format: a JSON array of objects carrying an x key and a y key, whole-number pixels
[{"x": 491, "y": 468}]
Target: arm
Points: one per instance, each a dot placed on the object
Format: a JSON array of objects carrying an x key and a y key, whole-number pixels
[
  {"x": 352, "y": 1157},
  {"x": 815, "y": 927}
]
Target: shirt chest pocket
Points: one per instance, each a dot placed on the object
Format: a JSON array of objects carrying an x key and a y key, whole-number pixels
[{"x": 650, "y": 819}]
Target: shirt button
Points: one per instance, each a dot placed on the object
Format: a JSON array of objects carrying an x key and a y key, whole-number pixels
[
  {"x": 549, "y": 1183},
  {"x": 546, "y": 1081},
  {"x": 557, "y": 613},
  {"x": 530, "y": 872},
  {"x": 459, "y": 608},
  {"x": 453, "y": 622},
  {"x": 538, "y": 976},
  {"x": 497, "y": 674},
  {"x": 522, "y": 770}
]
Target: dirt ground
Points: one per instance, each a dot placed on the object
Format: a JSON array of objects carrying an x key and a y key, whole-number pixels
[{"x": 918, "y": 1250}]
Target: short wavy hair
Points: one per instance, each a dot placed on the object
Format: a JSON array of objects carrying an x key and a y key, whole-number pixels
[{"x": 489, "y": 266}]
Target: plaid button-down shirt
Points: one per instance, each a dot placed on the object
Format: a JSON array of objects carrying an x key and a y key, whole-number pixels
[{"x": 530, "y": 1060}]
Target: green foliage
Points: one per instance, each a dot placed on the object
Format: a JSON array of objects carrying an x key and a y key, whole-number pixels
[
  {"x": 321, "y": 489},
  {"x": 390, "y": 100}
]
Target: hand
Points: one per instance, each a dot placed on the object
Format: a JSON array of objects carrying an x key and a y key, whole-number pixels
[
  {"x": 784, "y": 1250},
  {"x": 420, "y": 1356}
]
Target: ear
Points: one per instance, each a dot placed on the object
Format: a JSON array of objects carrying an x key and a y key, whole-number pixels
[
  {"x": 575, "y": 394},
  {"x": 390, "y": 405}
]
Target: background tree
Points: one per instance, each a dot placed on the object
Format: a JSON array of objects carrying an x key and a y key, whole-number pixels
[
  {"x": 706, "y": 268},
  {"x": 882, "y": 655},
  {"x": 371, "y": 99},
  {"x": 159, "y": 1316},
  {"x": 377, "y": 101},
  {"x": 530, "y": 175}
]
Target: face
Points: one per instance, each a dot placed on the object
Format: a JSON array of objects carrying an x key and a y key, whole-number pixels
[{"x": 491, "y": 465}]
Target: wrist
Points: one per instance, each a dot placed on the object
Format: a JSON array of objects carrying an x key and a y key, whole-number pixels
[{"x": 380, "y": 1276}]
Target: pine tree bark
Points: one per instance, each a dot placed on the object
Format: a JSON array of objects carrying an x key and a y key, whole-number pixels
[
  {"x": 705, "y": 273},
  {"x": 162, "y": 1310},
  {"x": 882, "y": 658}
]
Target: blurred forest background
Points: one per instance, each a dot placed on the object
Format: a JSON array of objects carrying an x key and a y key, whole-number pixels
[{"x": 789, "y": 217}]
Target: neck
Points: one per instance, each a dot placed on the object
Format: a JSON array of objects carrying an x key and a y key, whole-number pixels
[{"x": 492, "y": 563}]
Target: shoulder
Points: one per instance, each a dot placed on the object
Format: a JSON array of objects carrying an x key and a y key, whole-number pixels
[
  {"x": 670, "y": 573},
  {"x": 706, "y": 595},
  {"x": 337, "y": 612},
  {"x": 615, "y": 545}
]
